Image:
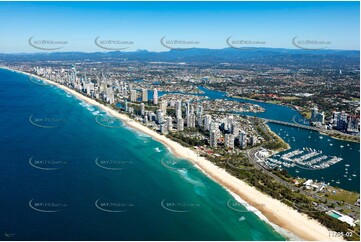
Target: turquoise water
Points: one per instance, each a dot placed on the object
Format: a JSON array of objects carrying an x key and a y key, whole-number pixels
[
  {"x": 334, "y": 215},
  {"x": 70, "y": 172}
]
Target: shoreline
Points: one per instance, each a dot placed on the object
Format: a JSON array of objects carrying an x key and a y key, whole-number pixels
[
  {"x": 323, "y": 133},
  {"x": 273, "y": 210},
  {"x": 342, "y": 139}
]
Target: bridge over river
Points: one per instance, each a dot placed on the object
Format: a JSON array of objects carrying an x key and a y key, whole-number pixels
[{"x": 313, "y": 128}]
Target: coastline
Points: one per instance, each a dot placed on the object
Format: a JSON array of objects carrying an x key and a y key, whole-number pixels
[{"x": 273, "y": 210}]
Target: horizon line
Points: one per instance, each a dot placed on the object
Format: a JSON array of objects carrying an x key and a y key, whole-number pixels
[{"x": 166, "y": 51}]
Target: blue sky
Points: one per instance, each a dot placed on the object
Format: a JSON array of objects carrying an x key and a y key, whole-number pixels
[{"x": 145, "y": 23}]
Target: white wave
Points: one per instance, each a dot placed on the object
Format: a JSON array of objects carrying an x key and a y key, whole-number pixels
[
  {"x": 91, "y": 109},
  {"x": 95, "y": 113},
  {"x": 184, "y": 174},
  {"x": 157, "y": 149},
  {"x": 140, "y": 134},
  {"x": 285, "y": 233},
  {"x": 84, "y": 104}
]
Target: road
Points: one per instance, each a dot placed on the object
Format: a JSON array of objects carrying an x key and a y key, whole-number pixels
[{"x": 251, "y": 155}]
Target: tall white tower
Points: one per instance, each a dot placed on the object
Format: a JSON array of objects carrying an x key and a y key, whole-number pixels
[{"x": 155, "y": 96}]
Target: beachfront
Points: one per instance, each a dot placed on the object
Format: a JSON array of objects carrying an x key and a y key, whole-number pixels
[{"x": 275, "y": 211}]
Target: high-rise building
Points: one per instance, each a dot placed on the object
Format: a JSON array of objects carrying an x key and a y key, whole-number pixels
[
  {"x": 155, "y": 96},
  {"x": 152, "y": 116},
  {"x": 188, "y": 108},
  {"x": 191, "y": 120},
  {"x": 178, "y": 105},
  {"x": 235, "y": 129},
  {"x": 253, "y": 140},
  {"x": 178, "y": 109},
  {"x": 164, "y": 128},
  {"x": 207, "y": 122},
  {"x": 353, "y": 125},
  {"x": 133, "y": 95},
  {"x": 200, "y": 119},
  {"x": 159, "y": 116},
  {"x": 109, "y": 95},
  {"x": 169, "y": 123},
  {"x": 142, "y": 109},
  {"x": 163, "y": 106},
  {"x": 144, "y": 95},
  {"x": 214, "y": 126},
  {"x": 126, "y": 105},
  {"x": 199, "y": 110},
  {"x": 178, "y": 113},
  {"x": 242, "y": 140},
  {"x": 145, "y": 119},
  {"x": 213, "y": 138},
  {"x": 316, "y": 117},
  {"x": 340, "y": 120},
  {"x": 180, "y": 124},
  {"x": 191, "y": 109},
  {"x": 229, "y": 140}
]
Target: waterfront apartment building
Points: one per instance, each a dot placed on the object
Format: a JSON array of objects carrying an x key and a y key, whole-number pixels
[
  {"x": 144, "y": 95},
  {"x": 317, "y": 118},
  {"x": 133, "y": 95},
  {"x": 164, "y": 128},
  {"x": 155, "y": 96}
]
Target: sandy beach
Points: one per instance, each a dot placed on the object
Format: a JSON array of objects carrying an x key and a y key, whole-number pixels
[{"x": 275, "y": 211}]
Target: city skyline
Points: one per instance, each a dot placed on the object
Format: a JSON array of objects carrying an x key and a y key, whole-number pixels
[{"x": 141, "y": 25}]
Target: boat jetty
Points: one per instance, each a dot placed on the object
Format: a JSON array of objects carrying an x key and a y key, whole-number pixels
[{"x": 307, "y": 158}]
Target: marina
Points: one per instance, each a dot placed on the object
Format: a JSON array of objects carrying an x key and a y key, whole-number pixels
[{"x": 307, "y": 158}]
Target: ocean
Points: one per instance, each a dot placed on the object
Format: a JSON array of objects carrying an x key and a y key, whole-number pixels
[{"x": 69, "y": 171}]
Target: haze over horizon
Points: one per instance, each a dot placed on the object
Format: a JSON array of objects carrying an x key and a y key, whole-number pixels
[{"x": 208, "y": 25}]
